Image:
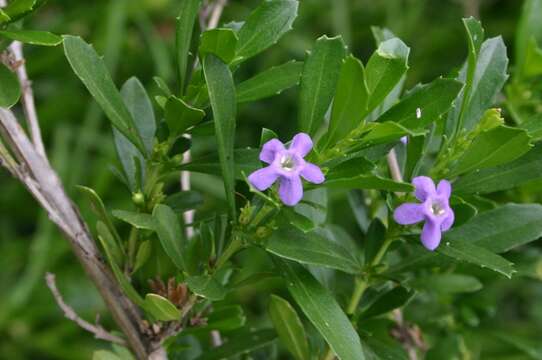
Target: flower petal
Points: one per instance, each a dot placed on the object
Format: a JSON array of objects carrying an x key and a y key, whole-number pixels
[
  {"x": 301, "y": 144},
  {"x": 408, "y": 214},
  {"x": 290, "y": 190},
  {"x": 262, "y": 179},
  {"x": 424, "y": 187},
  {"x": 444, "y": 188},
  {"x": 448, "y": 221},
  {"x": 431, "y": 235},
  {"x": 270, "y": 149},
  {"x": 312, "y": 173}
]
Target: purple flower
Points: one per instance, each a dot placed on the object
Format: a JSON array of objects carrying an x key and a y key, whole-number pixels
[
  {"x": 404, "y": 140},
  {"x": 434, "y": 210},
  {"x": 287, "y": 165}
]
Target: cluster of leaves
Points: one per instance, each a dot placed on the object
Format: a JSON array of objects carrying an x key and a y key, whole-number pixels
[{"x": 356, "y": 113}]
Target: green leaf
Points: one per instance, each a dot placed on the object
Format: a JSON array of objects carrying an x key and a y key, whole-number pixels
[
  {"x": 139, "y": 105},
  {"x": 533, "y": 127},
  {"x": 311, "y": 248},
  {"x": 219, "y": 42},
  {"x": 350, "y": 102},
  {"x": 4, "y": 17},
  {"x": 415, "y": 154},
  {"x": 376, "y": 235},
  {"x": 222, "y": 96},
  {"x": 161, "y": 308},
  {"x": 111, "y": 247},
  {"x": 138, "y": 220},
  {"x": 387, "y": 301},
  {"x": 529, "y": 27},
  {"x": 504, "y": 177},
  {"x": 180, "y": 116},
  {"x": 322, "y": 310},
  {"x": 183, "y": 36},
  {"x": 368, "y": 182},
  {"x": 433, "y": 100},
  {"x": 243, "y": 344},
  {"x": 91, "y": 69},
  {"x": 169, "y": 232},
  {"x": 533, "y": 61},
  {"x": 143, "y": 254},
  {"x": 318, "y": 82},
  {"x": 270, "y": 82},
  {"x": 492, "y": 148},
  {"x": 227, "y": 318},
  {"x": 386, "y": 132},
  {"x": 465, "y": 250},
  {"x": 105, "y": 355},
  {"x": 265, "y": 26},
  {"x": 206, "y": 286},
  {"x": 446, "y": 283},
  {"x": 32, "y": 37},
  {"x": 17, "y": 9},
  {"x": 246, "y": 160},
  {"x": 501, "y": 229},
  {"x": 10, "y": 90},
  {"x": 289, "y": 327},
  {"x": 184, "y": 200},
  {"x": 267, "y": 135},
  {"x": 385, "y": 69}
]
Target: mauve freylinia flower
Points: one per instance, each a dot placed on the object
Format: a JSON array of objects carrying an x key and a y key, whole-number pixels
[
  {"x": 287, "y": 166},
  {"x": 434, "y": 210}
]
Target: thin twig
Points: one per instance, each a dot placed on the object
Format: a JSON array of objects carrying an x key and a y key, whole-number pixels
[{"x": 98, "y": 331}]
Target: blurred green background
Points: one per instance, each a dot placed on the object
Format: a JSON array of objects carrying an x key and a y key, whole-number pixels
[{"x": 136, "y": 38}]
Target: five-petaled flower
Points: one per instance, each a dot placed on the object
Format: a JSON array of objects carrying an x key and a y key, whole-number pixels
[
  {"x": 287, "y": 166},
  {"x": 434, "y": 210}
]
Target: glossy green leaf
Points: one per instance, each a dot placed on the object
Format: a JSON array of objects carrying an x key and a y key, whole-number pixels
[
  {"x": 289, "y": 327},
  {"x": 387, "y": 301},
  {"x": 386, "y": 132},
  {"x": 265, "y": 26},
  {"x": 424, "y": 104},
  {"x": 446, "y": 283},
  {"x": 368, "y": 182},
  {"x": 17, "y": 9},
  {"x": 242, "y": 344},
  {"x": 166, "y": 224},
  {"x": 501, "y": 229},
  {"x": 222, "y": 96},
  {"x": 376, "y": 235},
  {"x": 322, "y": 310},
  {"x": 350, "y": 102},
  {"x": 492, "y": 148},
  {"x": 227, "y": 318},
  {"x": 529, "y": 28},
  {"x": 507, "y": 176},
  {"x": 136, "y": 219},
  {"x": 415, "y": 153},
  {"x": 32, "y": 37},
  {"x": 270, "y": 82},
  {"x": 385, "y": 69},
  {"x": 311, "y": 248},
  {"x": 206, "y": 286},
  {"x": 319, "y": 81},
  {"x": 91, "y": 69},
  {"x": 161, "y": 308},
  {"x": 219, "y": 42},
  {"x": 180, "y": 116},
  {"x": 10, "y": 90},
  {"x": 183, "y": 36}
]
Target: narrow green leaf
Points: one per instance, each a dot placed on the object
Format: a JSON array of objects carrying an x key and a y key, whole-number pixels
[
  {"x": 492, "y": 148},
  {"x": 311, "y": 248},
  {"x": 161, "y": 308},
  {"x": 270, "y": 82},
  {"x": 322, "y": 310},
  {"x": 10, "y": 90},
  {"x": 183, "y": 36},
  {"x": 180, "y": 116},
  {"x": 319, "y": 81},
  {"x": 386, "y": 132},
  {"x": 138, "y": 220},
  {"x": 424, "y": 104},
  {"x": 367, "y": 182},
  {"x": 17, "y": 9},
  {"x": 265, "y": 26},
  {"x": 387, "y": 301},
  {"x": 33, "y": 37},
  {"x": 415, "y": 154},
  {"x": 4, "y": 17},
  {"x": 219, "y": 42},
  {"x": 529, "y": 27},
  {"x": 350, "y": 102},
  {"x": 169, "y": 232},
  {"x": 206, "y": 286},
  {"x": 242, "y": 344},
  {"x": 385, "y": 69},
  {"x": 143, "y": 254},
  {"x": 246, "y": 161},
  {"x": 376, "y": 234},
  {"x": 446, "y": 283},
  {"x": 507, "y": 176},
  {"x": 222, "y": 96},
  {"x": 533, "y": 60},
  {"x": 289, "y": 327},
  {"x": 184, "y": 200},
  {"x": 111, "y": 247},
  {"x": 91, "y": 69}
]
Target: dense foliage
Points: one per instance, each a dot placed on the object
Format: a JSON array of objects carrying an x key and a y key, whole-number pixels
[{"x": 277, "y": 194}]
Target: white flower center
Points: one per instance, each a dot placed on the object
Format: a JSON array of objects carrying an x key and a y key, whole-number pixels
[
  {"x": 287, "y": 162},
  {"x": 437, "y": 209}
]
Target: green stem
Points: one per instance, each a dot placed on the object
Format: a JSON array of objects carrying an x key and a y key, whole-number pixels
[
  {"x": 132, "y": 245},
  {"x": 360, "y": 287},
  {"x": 382, "y": 251},
  {"x": 235, "y": 245}
]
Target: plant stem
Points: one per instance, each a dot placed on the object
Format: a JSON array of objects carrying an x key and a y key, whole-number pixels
[
  {"x": 359, "y": 289},
  {"x": 235, "y": 245},
  {"x": 382, "y": 251},
  {"x": 132, "y": 244}
]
